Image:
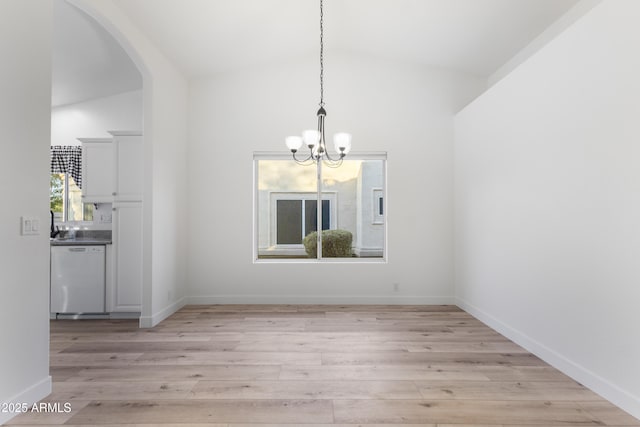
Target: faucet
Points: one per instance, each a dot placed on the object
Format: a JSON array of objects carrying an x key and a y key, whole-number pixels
[{"x": 54, "y": 231}]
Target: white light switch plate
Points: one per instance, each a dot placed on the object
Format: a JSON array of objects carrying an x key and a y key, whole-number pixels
[{"x": 30, "y": 226}]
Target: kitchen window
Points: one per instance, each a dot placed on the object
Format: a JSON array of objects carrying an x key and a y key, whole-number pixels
[
  {"x": 286, "y": 200},
  {"x": 65, "y": 195},
  {"x": 66, "y": 200}
]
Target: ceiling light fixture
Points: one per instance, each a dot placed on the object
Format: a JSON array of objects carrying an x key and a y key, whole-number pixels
[{"x": 314, "y": 139}]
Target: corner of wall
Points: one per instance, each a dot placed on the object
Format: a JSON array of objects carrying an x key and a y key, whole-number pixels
[
  {"x": 27, "y": 397},
  {"x": 579, "y": 373},
  {"x": 159, "y": 316},
  {"x": 565, "y": 21}
]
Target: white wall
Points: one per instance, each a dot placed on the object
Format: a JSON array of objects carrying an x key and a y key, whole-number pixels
[
  {"x": 92, "y": 119},
  {"x": 406, "y": 110},
  {"x": 165, "y": 117},
  {"x": 370, "y": 235},
  {"x": 25, "y": 85},
  {"x": 547, "y": 201}
]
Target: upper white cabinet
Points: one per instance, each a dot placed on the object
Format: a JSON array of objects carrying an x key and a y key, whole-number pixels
[
  {"x": 129, "y": 160},
  {"x": 112, "y": 168},
  {"x": 98, "y": 170}
]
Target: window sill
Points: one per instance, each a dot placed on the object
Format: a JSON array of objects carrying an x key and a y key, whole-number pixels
[{"x": 352, "y": 260}]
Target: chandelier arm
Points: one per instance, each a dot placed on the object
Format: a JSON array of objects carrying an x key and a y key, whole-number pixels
[
  {"x": 329, "y": 158},
  {"x": 306, "y": 162},
  {"x": 333, "y": 163}
]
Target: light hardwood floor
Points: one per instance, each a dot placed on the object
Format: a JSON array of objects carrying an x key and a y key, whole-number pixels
[{"x": 249, "y": 365}]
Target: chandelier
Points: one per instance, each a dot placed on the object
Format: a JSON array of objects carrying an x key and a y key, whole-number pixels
[{"x": 314, "y": 139}]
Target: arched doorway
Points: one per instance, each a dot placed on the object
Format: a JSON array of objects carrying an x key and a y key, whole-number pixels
[{"x": 100, "y": 84}]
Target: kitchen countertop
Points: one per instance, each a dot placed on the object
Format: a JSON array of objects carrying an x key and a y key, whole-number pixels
[
  {"x": 82, "y": 237},
  {"x": 79, "y": 241}
]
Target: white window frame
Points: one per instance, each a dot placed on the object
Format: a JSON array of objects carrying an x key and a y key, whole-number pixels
[{"x": 283, "y": 155}]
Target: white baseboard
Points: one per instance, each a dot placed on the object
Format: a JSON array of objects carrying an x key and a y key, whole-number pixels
[
  {"x": 29, "y": 396},
  {"x": 153, "y": 320},
  {"x": 599, "y": 385},
  {"x": 124, "y": 315},
  {"x": 328, "y": 300}
]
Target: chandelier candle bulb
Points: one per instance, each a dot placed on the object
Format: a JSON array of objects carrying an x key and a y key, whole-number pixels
[
  {"x": 342, "y": 142},
  {"x": 293, "y": 143},
  {"x": 311, "y": 138}
]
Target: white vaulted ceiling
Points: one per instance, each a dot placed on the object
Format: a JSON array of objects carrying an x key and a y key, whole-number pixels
[
  {"x": 87, "y": 62},
  {"x": 203, "y": 37},
  {"x": 474, "y": 36}
]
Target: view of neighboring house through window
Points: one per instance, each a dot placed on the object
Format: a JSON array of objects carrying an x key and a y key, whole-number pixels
[
  {"x": 296, "y": 216},
  {"x": 352, "y": 212}
]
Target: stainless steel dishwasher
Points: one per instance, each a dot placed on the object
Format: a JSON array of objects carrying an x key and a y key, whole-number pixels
[{"x": 77, "y": 279}]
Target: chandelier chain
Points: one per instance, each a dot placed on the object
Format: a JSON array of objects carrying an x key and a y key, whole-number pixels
[
  {"x": 321, "y": 55},
  {"x": 314, "y": 139}
]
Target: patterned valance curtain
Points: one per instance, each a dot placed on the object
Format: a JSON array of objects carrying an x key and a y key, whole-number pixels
[{"x": 67, "y": 159}]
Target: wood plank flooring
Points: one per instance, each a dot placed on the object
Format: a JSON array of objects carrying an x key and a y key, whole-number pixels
[{"x": 314, "y": 366}]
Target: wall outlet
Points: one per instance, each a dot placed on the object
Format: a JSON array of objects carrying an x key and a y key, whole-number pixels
[
  {"x": 105, "y": 218},
  {"x": 29, "y": 226}
]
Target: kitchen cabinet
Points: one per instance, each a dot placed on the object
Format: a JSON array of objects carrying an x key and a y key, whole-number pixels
[
  {"x": 113, "y": 173},
  {"x": 98, "y": 170},
  {"x": 126, "y": 287},
  {"x": 128, "y": 162}
]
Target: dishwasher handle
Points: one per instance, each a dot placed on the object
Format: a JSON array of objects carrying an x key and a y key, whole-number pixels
[{"x": 77, "y": 249}]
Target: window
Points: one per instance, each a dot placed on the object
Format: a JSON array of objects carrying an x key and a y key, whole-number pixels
[
  {"x": 297, "y": 218},
  {"x": 65, "y": 196},
  {"x": 286, "y": 200},
  {"x": 293, "y": 215},
  {"x": 378, "y": 206},
  {"x": 66, "y": 200}
]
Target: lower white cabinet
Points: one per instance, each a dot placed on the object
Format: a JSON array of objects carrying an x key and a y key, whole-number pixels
[{"x": 125, "y": 293}]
